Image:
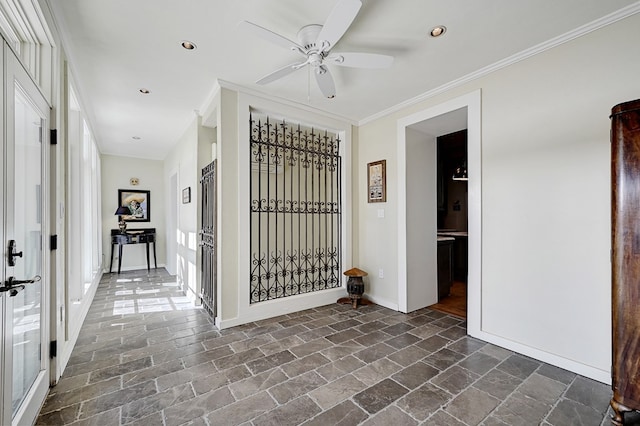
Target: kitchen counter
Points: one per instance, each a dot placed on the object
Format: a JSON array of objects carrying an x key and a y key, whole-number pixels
[
  {"x": 453, "y": 234},
  {"x": 460, "y": 252}
]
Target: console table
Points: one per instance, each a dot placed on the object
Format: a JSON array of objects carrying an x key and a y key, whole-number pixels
[{"x": 133, "y": 236}]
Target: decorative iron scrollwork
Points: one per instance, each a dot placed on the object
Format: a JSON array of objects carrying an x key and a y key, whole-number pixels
[
  {"x": 295, "y": 209},
  {"x": 208, "y": 239}
]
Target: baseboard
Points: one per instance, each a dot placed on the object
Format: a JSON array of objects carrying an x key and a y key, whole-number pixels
[
  {"x": 67, "y": 347},
  {"x": 288, "y": 305},
  {"x": 553, "y": 359},
  {"x": 382, "y": 302},
  {"x": 132, "y": 268}
]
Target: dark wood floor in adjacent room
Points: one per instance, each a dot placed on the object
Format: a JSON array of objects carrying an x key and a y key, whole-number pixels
[{"x": 456, "y": 302}]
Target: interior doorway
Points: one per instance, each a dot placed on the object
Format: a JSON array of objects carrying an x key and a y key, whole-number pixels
[
  {"x": 417, "y": 223},
  {"x": 452, "y": 214}
]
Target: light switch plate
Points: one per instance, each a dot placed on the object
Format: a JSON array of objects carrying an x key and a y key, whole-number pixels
[{"x": 380, "y": 212}]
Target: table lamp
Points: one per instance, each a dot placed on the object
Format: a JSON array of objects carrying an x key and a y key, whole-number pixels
[{"x": 121, "y": 211}]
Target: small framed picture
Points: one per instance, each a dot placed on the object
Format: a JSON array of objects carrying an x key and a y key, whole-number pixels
[
  {"x": 186, "y": 195},
  {"x": 377, "y": 181},
  {"x": 138, "y": 202}
]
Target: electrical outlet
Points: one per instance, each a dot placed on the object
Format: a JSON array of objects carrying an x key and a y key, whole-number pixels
[
  {"x": 380, "y": 273},
  {"x": 380, "y": 213}
]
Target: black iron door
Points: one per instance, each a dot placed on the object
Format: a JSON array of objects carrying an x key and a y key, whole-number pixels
[{"x": 208, "y": 238}]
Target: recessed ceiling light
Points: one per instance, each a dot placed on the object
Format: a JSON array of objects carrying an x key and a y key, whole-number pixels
[
  {"x": 189, "y": 45},
  {"x": 145, "y": 91},
  {"x": 136, "y": 138},
  {"x": 438, "y": 31}
]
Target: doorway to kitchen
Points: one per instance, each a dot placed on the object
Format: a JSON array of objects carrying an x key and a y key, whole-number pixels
[
  {"x": 452, "y": 214},
  {"x": 417, "y": 200}
]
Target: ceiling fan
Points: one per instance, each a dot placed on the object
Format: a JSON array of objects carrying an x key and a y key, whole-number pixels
[{"x": 315, "y": 43}]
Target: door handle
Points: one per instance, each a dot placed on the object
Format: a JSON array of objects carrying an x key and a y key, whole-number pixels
[
  {"x": 13, "y": 286},
  {"x": 12, "y": 254}
]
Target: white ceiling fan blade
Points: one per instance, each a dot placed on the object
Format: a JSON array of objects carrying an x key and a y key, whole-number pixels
[
  {"x": 325, "y": 81},
  {"x": 269, "y": 35},
  {"x": 277, "y": 74},
  {"x": 338, "y": 22},
  {"x": 361, "y": 60}
]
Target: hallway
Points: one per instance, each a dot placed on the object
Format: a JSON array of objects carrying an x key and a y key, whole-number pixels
[{"x": 145, "y": 356}]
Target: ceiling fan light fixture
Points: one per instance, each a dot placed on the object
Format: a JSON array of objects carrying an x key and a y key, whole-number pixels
[
  {"x": 189, "y": 45},
  {"x": 144, "y": 91},
  {"x": 438, "y": 31},
  {"x": 136, "y": 138}
]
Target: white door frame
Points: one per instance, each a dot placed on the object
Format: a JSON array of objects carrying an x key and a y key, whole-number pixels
[
  {"x": 472, "y": 102},
  {"x": 29, "y": 409}
]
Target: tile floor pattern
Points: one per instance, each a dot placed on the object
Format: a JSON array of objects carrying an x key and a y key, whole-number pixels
[{"x": 145, "y": 356}]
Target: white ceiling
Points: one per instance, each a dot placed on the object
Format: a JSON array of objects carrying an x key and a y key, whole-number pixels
[{"x": 116, "y": 47}]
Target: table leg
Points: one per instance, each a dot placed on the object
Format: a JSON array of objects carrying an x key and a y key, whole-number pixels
[
  {"x": 148, "y": 268},
  {"x": 119, "y": 256},
  {"x": 155, "y": 261},
  {"x": 111, "y": 264}
]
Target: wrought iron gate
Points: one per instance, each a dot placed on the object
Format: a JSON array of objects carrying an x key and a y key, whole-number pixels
[
  {"x": 208, "y": 238},
  {"x": 296, "y": 225}
]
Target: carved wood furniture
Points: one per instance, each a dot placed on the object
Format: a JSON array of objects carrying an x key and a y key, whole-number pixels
[{"x": 625, "y": 218}]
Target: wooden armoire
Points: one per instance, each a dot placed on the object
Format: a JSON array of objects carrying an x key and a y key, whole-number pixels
[{"x": 625, "y": 242}]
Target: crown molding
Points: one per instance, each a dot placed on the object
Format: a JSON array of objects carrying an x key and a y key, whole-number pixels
[
  {"x": 215, "y": 90},
  {"x": 239, "y": 88},
  {"x": 616, "y": 16}
]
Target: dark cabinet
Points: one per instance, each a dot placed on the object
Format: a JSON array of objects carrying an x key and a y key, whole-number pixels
[
  {"x": 460, "y": 258},
  {"x": 445, "y": 266},
  {"x": 625, "y": 243}
]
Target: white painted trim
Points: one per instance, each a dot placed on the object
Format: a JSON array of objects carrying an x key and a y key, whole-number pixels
[
  {"x": 293, "y": 304},
  {"x": 208, "y": 108},
  {"x": 285, "y": 102},
  {"x": 37, "y": 392},
  {"x": 474, "y": 202},
  {"x": 246, "y": 311},
  {"x": 131, "y": 268},
  {"x": 402, "y": 216},
  {"x": 383, "y": 302},
  {"x": 65, "y": 348},
  {"x": 471, "y": 101},
  {"x": 550, "y": 358},
  {"x": 520, "y": 56}
]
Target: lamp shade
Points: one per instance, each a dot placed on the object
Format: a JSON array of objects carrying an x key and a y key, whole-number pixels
[{"x": 122, "y": 210}]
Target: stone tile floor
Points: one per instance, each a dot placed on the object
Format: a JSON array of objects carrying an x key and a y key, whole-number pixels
[{"x": 145, "y": 356}]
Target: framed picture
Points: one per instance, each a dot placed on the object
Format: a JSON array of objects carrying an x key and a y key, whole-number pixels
[
  {"x": 138, "y": 202},
  {"x": 377, "y": 181},
  {"x": 186, "y": 195}
]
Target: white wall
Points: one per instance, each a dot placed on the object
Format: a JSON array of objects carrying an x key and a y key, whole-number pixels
[
  {"x": 116, "y": 172},
  {"x": 422, "y": 275},
  {"x": 545, "y": 193},
  {"x": 182, "y": 160},
  {"x": 172, "y": 223}
]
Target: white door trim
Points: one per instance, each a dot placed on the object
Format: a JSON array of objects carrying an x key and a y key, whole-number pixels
[
  {"x": 15, "y": 72},
  {"x": 471, "y": 101}
]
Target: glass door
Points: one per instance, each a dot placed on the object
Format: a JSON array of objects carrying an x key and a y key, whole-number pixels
[{"x": 25, "y": 297}]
